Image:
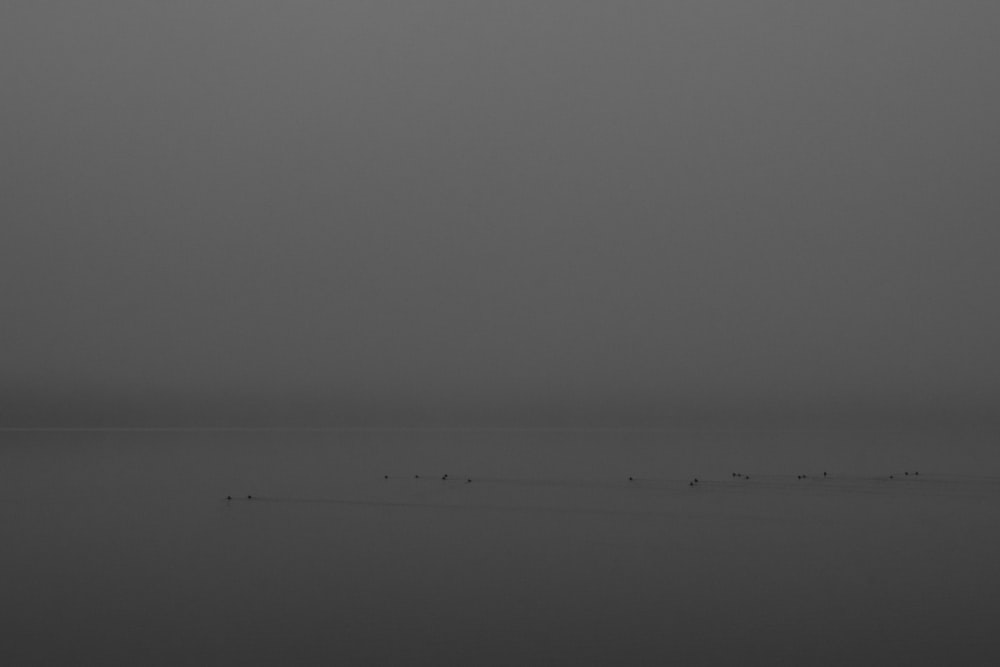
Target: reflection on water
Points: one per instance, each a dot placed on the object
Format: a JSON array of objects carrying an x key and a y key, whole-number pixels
[{"x": 121, "y": 548}]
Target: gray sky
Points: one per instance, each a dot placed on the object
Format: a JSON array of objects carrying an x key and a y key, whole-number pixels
[{"x": 519, "y": 213}]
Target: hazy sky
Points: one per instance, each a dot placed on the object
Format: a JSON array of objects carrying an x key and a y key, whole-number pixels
[{"x": 563, "y": 212}]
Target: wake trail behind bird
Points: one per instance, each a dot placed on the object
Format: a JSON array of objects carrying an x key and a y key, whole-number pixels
[{"x": 659, "y": 497}]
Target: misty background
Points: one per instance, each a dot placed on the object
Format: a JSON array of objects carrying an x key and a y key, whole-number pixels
[{"x": 567, "y": 213}]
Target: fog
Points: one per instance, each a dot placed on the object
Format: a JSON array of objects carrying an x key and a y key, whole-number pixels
[{"x": 499, "y": 214}]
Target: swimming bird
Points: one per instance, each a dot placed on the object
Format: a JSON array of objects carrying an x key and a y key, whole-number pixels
[
  {"x": 445, "y": 476},
  {"x": 229, "y": 497},
  {"x": 249, "y": 497}
]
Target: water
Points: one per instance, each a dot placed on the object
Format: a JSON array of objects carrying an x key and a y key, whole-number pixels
[{"x": 120, "y": 548}]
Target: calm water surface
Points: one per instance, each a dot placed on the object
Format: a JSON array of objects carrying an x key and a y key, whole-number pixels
[{"x": 121, "y": 548}]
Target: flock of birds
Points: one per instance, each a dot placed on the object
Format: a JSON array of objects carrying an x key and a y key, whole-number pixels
[
  {"x": 444, "y": 478},
  {"x": 740, "y": 475},
  {"x": 693, "y": 482}
]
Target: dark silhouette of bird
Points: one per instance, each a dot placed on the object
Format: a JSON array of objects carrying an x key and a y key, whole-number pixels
[
  {"x": 630, "y": 478},
  {"x": 249, "y": 497},
  {"x": 468, "y": 480},
  {"x": 824, "y": 474},
  {"x": 229, "y": 497},
  {"x": 445, "y": 476},
  {"x": 416, "y": 477},
  {"x": 386, "y": 476}
]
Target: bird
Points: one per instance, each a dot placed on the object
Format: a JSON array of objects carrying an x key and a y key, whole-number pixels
[
  {"x": 249, "y": 497},
  {"x": 229, "y": 497},
  {"x": 386, "y": 476},
  {"x": 445, "y": 476},
  {"x": 630, "y": 478}
]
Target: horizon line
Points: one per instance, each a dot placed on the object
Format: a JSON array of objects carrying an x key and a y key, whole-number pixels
[{"x": 192, "y": 429}]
